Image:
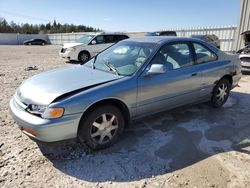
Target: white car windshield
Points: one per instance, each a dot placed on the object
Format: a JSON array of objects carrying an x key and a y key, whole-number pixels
[
  {"x": 85, "y": 39},
  {"x": 124, "y": 58}
]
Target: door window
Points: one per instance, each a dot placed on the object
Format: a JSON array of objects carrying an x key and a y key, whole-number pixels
[
  {"x": 99, "y": 39},
  {"x": 174, "y": 56},
  {"x": 203, "y": 54}
]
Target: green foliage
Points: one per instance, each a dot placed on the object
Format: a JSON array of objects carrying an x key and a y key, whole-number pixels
[{"x": 56, "y": 27}]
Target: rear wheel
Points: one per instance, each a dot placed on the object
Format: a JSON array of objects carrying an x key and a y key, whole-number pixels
[
  {"x": 101, "y": 127},
  {"x": 221, "y": 92},
  {"x": 83, "y": 57}
]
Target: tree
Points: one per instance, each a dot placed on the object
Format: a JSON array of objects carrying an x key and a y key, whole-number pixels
[{"x": 56, "y": 27}]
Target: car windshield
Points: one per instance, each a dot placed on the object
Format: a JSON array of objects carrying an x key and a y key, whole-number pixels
[
  {"x": 85, "y": 39},
  {"x": 124, "y": 58}
]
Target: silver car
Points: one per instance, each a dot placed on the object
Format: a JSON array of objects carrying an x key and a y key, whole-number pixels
[
  {"x": 245, "y": 62},
  {"x": 244, "y": 55},
  {"x": 133, "y": 78}
]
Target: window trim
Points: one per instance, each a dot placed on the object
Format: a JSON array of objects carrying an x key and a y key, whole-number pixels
[{"x": 207, "y": 48}]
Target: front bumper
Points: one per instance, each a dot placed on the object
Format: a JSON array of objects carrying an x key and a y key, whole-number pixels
[
  {"x": 245, "y": 66},
  {"x": 47, "y": 130},
  {"x": 65, "y": 55},
  {"x": 70, "y": 55}
]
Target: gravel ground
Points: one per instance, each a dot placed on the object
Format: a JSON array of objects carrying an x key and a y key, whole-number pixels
[{"x": 193, "y": 146}]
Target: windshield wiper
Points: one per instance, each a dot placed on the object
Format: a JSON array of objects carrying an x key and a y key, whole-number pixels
[
  {"x": 110, "y": 67},
  {"x": 93, "y": 64}
]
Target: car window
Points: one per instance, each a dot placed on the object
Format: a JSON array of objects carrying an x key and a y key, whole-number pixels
[
  {"x": 122, "y": 37},
  {"x": 203, "y": 54},
  {"x": 110, "y": 39},
  {"x": 114, "y": 38},
  {"x": 85, "y": 39},
  {"x": 99, "y": 39},
  {"x": 168, "y": 33},
  {"x": 174, "y": 56}
]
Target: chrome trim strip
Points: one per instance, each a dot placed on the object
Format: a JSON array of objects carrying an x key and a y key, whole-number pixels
[{"x": 17, "y": 100}]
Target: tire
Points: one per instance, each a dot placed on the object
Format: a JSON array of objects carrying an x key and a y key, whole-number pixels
[
  {"x": 83, "y": 57},
  {"x": 92, "y": 130},
  {"x": 220, "y": 93},
  {"x": 43, "y": 44}
]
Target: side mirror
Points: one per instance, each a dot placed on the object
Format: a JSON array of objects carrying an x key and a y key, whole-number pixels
[
  {"x": 93, "y": 42},
  {"x": 156, "y": 69}
]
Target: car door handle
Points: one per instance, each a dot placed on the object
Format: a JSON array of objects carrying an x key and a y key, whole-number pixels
[{"x": 194, "y": 74}]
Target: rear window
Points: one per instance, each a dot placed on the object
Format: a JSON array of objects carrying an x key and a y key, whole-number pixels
[
  {"x": 114, "y": 38},
  {"x": 203, "y": 54},
  {"x": 122, "y": 37},
  {"x": 168, "y": 33}
]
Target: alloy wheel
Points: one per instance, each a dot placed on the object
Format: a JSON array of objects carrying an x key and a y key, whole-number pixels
[
  {"x": 104, "y": 128},
  {"x": 222, "y": 93}
]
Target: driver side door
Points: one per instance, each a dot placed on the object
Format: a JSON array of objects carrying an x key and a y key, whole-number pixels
[
  {"x": 98, "y": 44},
  {"x": 178, "y": 85}
]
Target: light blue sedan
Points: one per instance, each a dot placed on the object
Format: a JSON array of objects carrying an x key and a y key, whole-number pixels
[{"x": 134, "y": 78}]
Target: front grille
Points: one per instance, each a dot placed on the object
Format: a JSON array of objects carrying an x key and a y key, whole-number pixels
[
  {"x": 246, "y": 67},
  {"x": 63, "y": 50},
  {"x": 245, "y": 59}
]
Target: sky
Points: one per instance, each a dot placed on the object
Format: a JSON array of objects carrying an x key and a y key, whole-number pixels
[{"x": 124, "y": 15}]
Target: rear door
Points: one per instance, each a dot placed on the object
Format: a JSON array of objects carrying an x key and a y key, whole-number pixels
[{"x": 179, "y": 85}]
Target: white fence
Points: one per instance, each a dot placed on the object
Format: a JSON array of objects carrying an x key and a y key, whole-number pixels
[
  {"x": 226, "y": 35},
  {"x": 17, "y": 39},
  {"x": 60, "y": 38}
]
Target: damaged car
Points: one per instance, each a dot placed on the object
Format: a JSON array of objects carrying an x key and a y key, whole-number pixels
[
  {"x": 134, "y": 78},
  {"x": 244, "y": 53}
]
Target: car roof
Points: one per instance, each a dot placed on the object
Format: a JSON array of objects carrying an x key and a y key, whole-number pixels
[
  {"x": 203, "y": 35},
  {"x": 162, "y": 32},
  {"x": 112, "y": 34},
  {"x": 164, "y": 39},
  {"x": 161, "y": 39}
]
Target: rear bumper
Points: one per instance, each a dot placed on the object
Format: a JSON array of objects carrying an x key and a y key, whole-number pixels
[
  {"x": 47, "y": 130},
  {"x": 236, "y": 79}
]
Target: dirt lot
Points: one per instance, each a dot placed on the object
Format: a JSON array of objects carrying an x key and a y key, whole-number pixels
[{"x": 195, "y": 146}]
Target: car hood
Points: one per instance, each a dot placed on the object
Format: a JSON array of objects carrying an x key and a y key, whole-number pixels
[
  {"x": 44, "y": 88},
  {"x": 69, "y": 45}
]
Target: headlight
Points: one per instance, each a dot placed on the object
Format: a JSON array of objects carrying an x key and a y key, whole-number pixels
[
  {"x": 36, "y": 109},
  {"x": 71, "y": 49},
  {"x": 46, "y": 112}
]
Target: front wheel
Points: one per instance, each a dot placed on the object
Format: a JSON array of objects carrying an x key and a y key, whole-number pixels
[
  {"x": 220, "y": 93},
  {"x": 83, "y": 57},
  {"x": 101, "y": 127}
]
